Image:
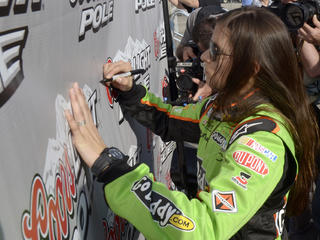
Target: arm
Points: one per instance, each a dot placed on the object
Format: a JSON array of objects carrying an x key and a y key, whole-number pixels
[
  {"x": 170, "y": 123},
  {"x": 190, "y": 3},
  {"x": 165, "y": 214},
  {"x": 310, "y": 59},
  {"x": 176, "y": 3},
  {"x": 184, "y": 52}
]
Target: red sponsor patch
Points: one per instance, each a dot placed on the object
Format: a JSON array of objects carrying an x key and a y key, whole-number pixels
[
  {"x": 224, "y": 201},
  {"x": 251, "y": 161}
]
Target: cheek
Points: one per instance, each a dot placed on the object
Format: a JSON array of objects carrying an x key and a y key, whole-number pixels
[{"x": 217, "y": 74}]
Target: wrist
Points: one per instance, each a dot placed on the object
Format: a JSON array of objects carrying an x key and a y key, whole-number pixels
[{"x": 111, "y": 164}]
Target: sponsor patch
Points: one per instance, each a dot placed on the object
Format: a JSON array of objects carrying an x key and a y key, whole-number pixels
[
  {"x": 253, "y": 144},
  {"x": 224, "y": 201},
  {"x": 220, "y": 140},
  {"x": 241, "y": 180},
  {"x": 251, "y": 161},
  {"x": 162, "y": 209},
  {"x": 254, "y": 125}
]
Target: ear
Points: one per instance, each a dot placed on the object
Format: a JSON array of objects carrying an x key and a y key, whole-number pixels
[{"x": 256, "y": 68}]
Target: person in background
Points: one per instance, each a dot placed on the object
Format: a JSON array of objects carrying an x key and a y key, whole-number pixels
[
  {"x": 307, "y": 225},
  {"x": 190, "y": 5},
  {"x": 252, "y": 137},
  {"x": 184, "y": 51}
]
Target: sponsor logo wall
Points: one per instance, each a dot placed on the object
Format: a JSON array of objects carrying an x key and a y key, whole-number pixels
[{"x": 44, "y": 47}]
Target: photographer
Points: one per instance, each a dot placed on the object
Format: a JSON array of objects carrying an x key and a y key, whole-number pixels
[
  {"x": 244, "y": 176},
  {"x": 184, "y": 51},
  {"x": 193, "y": 76},
  {"x": 307, "y": 226}
]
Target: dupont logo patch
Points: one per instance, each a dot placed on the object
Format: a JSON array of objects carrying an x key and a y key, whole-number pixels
[
  {"x": 224, "y": 201},
  {"x": 251, "y": 161}
]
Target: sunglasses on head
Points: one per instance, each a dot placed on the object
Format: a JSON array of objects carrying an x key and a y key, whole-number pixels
[{"x": 215, "y": 51}]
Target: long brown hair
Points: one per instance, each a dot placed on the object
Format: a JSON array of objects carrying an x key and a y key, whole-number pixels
[{"x": 262, "y": 49}]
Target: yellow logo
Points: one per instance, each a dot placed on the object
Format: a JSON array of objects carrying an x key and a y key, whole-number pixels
[{"x": 181, "y": 222}]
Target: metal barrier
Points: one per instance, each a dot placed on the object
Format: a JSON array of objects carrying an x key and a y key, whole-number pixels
[{"x": 176, "y": 35}]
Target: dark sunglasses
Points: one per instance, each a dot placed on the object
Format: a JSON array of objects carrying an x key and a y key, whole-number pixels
[{"x": 215, "y": 51}]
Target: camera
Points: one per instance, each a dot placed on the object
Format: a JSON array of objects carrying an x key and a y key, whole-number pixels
[
  {"x": 185, "y": 71},
  {"x": 295, "y": 14}
]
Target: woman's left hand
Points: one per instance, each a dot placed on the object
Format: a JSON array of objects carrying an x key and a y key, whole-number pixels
[{"x": 85, "y": 135}]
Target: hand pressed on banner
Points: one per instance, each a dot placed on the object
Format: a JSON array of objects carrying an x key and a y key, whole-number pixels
[
  {"x": 85, "y": 135},
  {"x": 110, "y": 69}
]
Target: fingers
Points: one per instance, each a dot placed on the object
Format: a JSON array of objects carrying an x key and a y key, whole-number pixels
[
  {"x": 196, "y": 96},
  {"x": 196, "y": 81},
  {"x": 316, "y": 22},
  {"x": 77, "y": 112},
  {"x": 72, "y": 123},
  {"x": 110, "y": 69},
  {"x": 188, "y": 53},
  {"x": 83, "y": 104},
  {"x": 303, "y": 34}
]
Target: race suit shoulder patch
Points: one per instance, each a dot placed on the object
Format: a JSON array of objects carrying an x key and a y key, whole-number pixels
[
  {"x": 251, "y": 161},
  {"x": 254, "y": 125},
  {"x": 224, "y": 201},
  {"x": 161, "y": 209},
  {"x": 253, "y": 144}
]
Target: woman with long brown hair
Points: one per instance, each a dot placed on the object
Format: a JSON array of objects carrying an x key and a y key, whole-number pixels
[{"x": 256, "y": 138}]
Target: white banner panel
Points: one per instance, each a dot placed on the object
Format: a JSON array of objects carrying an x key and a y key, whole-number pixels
[{"x": 46, "y": 191}]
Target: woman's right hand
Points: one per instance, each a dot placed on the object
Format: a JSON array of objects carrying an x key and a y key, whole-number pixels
[{"x": 123, "y": 84}]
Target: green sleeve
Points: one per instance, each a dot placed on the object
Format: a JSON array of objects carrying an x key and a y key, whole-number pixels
[{"x": 220, "y": 212}]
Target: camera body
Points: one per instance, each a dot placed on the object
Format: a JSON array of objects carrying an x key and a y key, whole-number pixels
[
  {"x": 295, "y": 14},
  {"x": 185, "y": 71}
]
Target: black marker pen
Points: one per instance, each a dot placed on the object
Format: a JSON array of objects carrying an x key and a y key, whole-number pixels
[{"x": 126, "y": 74}]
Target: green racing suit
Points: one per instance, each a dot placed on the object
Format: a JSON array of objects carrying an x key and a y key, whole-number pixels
[{"x": 245, "y": 171}]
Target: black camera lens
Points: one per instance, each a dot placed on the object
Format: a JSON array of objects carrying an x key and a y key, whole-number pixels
[
  {"x": 184, "y": 83},
  {"x": 294, "y": 16}
]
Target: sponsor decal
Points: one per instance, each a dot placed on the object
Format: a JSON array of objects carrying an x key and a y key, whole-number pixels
[
  {"x": 64, "y": 184},
  {"x": 162, "y": 209},
  {"x": 12, "y": 43},
  {"x": 220, "y": 140},
  {"x": 279, "y": 218},
  {"x": 166, "y": 148},
  {"x": 19, "y": 6},
  {"x": 144, "y": 5},
  {"x": 146, "y": 81},
  {"x": 251, "y": 161},
  {"x": 159, "y": 38},
  {"x": 94, "y": 17},
  {"x": 242, "y": 180},
  {"x": 258, "y": 147},
  {"x": 165, "y": 87},
  {"x": 111, "y": 94},
  {"x": 117, "y": 228},
  {"x": 134, "y": 155},
  {"x": 243, "y": 130},
  {"x": 201, "y": 175},
  {"x": 254, "y": 125},
  {"x": 224, "y": 201}
]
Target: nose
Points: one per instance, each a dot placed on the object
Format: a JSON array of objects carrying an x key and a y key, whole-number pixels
[{"x": 205, "y": 56}]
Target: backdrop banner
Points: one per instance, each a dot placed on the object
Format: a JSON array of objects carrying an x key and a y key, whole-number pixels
[{"x": 46, "y": 190}]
